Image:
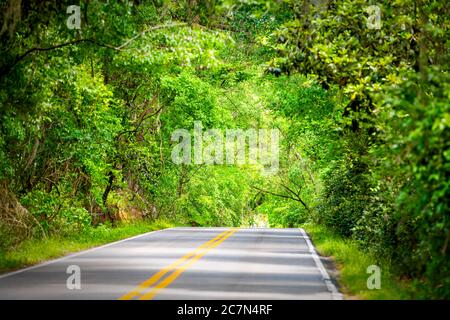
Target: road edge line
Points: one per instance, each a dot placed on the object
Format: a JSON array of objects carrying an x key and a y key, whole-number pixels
[
  {"x": 335, "y": 294},
  {"x": 76, "y": 254}
]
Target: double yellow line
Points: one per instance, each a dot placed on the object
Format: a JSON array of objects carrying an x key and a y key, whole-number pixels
[{"x": 186, "y": 261}]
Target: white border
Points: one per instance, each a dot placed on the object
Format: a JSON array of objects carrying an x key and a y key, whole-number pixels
[
  {"x": 77, "y": 254},
  {"x": 335, "y": 294}
]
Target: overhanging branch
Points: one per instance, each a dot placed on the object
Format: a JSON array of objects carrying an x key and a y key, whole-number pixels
[
  {"x": 296, "y": 198},
  {"x": 6, "y": 69}
]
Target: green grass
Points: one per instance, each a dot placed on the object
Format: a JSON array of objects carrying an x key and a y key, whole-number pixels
[
  {"x": 34, "y": 251},
  {"x": 352, "y": 264},
  {"x": 351, "y": 261}
]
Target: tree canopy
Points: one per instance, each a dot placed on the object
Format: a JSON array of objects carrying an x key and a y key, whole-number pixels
[{"x": 358, "y": 90}]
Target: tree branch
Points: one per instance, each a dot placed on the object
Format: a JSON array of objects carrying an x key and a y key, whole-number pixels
[
  {"x": 297, "y": 198},
  {"x": 170, "y": 25},
  {"x": 6, "y": 69}
]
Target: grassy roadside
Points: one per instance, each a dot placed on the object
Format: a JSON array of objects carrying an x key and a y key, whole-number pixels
[
  {"x": 352, "y": 264},
  {"x": 35, "y": 251}
]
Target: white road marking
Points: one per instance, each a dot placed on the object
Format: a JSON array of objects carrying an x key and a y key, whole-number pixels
[
  {"x": 335, "y": 294},
  {"x": 77, "y": 254}
]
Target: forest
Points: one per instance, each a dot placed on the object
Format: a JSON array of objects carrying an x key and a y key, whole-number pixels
[{"x": 92, "y": 91}]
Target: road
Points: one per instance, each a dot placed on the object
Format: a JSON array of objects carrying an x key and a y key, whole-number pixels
[{"x": 185, "y": 264}]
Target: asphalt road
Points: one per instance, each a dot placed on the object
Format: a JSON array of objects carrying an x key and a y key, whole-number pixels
[{"x": 183, "y": 263}]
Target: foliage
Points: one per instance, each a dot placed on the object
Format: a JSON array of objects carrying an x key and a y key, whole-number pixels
[
  {"x": 352, "y": 262},
  {"x": 86, "y": 117},
  {"x": 386, "y": 183}
]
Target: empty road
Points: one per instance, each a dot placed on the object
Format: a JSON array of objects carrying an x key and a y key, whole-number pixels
[{"x": 182, "y": 263}]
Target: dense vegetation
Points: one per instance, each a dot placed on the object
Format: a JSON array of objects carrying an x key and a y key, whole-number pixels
[{"x": 86, "y": 117}]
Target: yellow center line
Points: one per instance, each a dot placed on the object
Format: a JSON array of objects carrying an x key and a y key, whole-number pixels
[
  {"x": 157, "y": 276},
  {"x": 174, "y": 275}
]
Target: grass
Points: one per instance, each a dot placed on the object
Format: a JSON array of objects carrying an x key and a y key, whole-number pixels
[
  {"x": 35, "y": 251},
  {"x": 351, "y": 261},
  {"x": 352, "y": 264}
]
